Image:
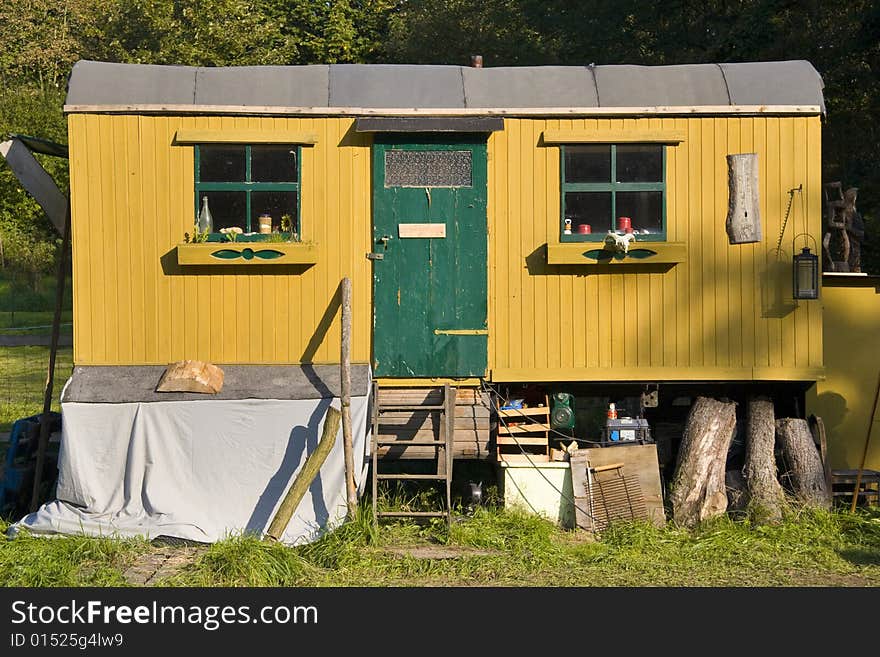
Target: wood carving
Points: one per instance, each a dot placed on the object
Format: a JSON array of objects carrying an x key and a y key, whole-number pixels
[
  {"x": 191, "y": 376},
  {"x": 743, "y": 212}
]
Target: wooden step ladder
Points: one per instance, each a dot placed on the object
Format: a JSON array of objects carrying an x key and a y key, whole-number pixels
[{"x": 443, "y": 452}]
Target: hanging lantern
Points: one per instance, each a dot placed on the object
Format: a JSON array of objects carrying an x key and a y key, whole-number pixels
[{"x": 805, "y": 283}]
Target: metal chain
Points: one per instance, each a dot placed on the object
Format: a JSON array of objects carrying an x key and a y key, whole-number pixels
[{"x": 791, "y": 192}]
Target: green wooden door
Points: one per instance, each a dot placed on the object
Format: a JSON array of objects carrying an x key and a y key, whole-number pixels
[{"x": 429, "y": 287}]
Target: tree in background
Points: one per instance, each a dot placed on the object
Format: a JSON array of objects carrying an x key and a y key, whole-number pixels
[
  {"x": 841, "y": 39},
  {"x": 43, "y": 38}
]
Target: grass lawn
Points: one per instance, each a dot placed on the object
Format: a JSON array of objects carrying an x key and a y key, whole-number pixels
[
  {"x": 22, "y": 380},
  {"x": 25, "y": 322},
  {"x": 493, "y": 547},
  {"x": 22, "y": 307}
]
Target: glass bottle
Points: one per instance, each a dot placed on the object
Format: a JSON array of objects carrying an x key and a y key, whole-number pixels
[{"x": 206, "y": 221}]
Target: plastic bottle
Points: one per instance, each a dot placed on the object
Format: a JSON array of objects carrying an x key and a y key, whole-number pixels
[
  {"x": 206, "y": 221},
  {"x": 612, "y": 411}
]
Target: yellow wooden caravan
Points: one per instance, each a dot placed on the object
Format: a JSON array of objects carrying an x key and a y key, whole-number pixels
[{"x": 534, "y": 230}]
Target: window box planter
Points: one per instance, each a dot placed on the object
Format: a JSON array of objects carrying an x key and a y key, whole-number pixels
[
  {"x": 247, "y": 253},
  {"x": 640, "y": 253}
]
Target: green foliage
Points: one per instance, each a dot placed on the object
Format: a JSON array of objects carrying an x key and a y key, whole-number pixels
[{"x": 26, "y": 258}]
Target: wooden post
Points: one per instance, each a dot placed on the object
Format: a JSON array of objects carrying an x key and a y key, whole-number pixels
[
  {"x": 345, "y": 360},
  {"x": 43, "y": 443},
  {"x": 305, "y": 477},
  {"x": 855, "y": 499},
  {"x": 743, "y": 212}
]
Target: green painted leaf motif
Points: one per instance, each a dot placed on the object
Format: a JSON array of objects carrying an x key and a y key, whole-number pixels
[
  {"x": 597, "y": 254},
  {"x": 226, "y": 254},
  {"x": 604, "y": 255},
  {"x": 268, "y": 254}
]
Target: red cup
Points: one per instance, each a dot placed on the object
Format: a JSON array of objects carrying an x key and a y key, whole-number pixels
[
  {"x": 585, "y": 229},
  {"x": 625, "y": 224}
]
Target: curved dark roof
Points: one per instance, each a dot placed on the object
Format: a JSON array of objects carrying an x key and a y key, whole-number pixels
[{"x": 426, "y": 87}]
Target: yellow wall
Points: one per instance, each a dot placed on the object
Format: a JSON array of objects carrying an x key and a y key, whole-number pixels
[
  {"x": 132, "y": 196},
  {"x": 724, "y": 314},
  {"x": 844, "y": 400}
]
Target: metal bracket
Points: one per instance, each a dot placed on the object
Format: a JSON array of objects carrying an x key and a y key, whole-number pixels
[{"x": 375, "y": 256}]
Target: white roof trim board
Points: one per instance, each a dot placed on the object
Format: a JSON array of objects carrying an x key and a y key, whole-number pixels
[{"x": 398, "y": 90}]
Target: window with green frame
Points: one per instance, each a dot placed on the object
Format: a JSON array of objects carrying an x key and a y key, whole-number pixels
[
  {"x": 243, "y": 182},
  {"x": 613, "y": 187}
]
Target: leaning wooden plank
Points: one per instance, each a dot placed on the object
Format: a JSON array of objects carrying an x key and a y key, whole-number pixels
[
  {"x": 34, "y": 178},
  {"x": 306, "y": 475},
  {"x": 191, "y": 376}
]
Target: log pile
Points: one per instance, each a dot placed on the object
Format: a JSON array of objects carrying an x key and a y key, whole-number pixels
[{"x": 701, "y": 484}]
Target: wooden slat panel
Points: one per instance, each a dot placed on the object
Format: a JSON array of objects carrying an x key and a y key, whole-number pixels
[
  {"x": 133, "y": 191},
  {"x": 133, "y": 200}
]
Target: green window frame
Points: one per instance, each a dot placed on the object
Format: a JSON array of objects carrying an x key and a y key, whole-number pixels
[
  {"x": 248, "y": 186},
  {"x": 614, "y": 188}
]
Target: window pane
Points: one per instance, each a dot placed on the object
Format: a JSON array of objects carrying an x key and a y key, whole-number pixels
[
  {"x": 221, "y": 163},
  {"x": 593, "y": 208},
  {"x": 273, "y": 163},
  {"x": 274, "y": 204},
  {"x": 588, "y": 164},
  {"x": 637, "y": 163},
  {"x": 644, "y": 208},
  {"x": 427, "y": 168},
  {"x": 227, "y": 209}
]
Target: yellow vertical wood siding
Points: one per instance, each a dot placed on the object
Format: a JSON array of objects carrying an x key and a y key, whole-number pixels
[
  {"x": 845, "y": 399},
  {"x": 132, "y": 195},
  {"x": 724, "y": 314}
]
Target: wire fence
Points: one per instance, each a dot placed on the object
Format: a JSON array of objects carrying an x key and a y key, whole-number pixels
[{"x": 23, "y": 371}]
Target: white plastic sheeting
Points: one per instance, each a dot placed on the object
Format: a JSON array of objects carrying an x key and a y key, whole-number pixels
[{"x": 198, "y": 470}]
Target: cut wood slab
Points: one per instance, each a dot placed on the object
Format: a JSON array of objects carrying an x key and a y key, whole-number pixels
[
  {"x": 191, "y": 376},
  {"x": 743, "y": 213}
]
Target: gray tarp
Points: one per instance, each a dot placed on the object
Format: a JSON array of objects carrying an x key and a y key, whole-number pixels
[{"x": 198, "y": 470}]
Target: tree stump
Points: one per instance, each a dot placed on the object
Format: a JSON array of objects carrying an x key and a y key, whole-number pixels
[
  {"x": 698, "y": 486},
  {"x": 765, "y": 496},
  {"x": 803, "y": 462}
]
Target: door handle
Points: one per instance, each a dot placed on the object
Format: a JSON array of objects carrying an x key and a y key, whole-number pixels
[{"x": 383, "y": 239}]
